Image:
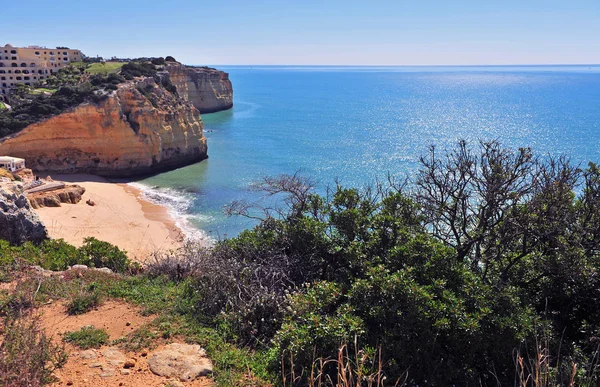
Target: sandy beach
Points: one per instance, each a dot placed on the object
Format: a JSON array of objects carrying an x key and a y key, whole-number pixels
[{"x": 120, "y": 216}]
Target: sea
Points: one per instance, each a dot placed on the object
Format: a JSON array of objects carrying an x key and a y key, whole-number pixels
[{"x": 359, "y": 125}]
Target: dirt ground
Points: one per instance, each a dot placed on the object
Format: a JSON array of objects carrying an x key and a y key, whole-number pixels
[{"x": 92, "y": 367}]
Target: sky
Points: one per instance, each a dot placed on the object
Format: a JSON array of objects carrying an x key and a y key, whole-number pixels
[{"x": 312, "y": 32}]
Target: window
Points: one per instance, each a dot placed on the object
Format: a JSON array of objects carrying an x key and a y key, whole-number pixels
[
  {"x": 26, "y": 78},
  {"x": 4, "y": 78},
  {"x": 2, "y": 72},
  {"x": 13, "y": 51},
  {"x": 32, "y": 64},
  {"x": 14, "y": 58},
  {"x": 37, "y": 53},
  {"x": 14, "y": 65},
  {"x": 65, "y": 53},
  {"x": 23, "y": 64},
  {"x": 51, "y": 52},
  {"x": 17, "y": 71},
  {"x": 19, "y": 78}
]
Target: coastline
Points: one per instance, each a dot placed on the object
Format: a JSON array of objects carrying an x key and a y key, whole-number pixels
[{"x": 120, "y": 216}]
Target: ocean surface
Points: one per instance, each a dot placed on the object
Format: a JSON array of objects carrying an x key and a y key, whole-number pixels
[{"x": 359, "y": 124}]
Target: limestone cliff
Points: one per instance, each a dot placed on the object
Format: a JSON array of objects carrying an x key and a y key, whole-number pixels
[
  {"x": 141, "y": 128},
  {"x": 209, "y": 90},
  {"x": 18, "y": 222}
]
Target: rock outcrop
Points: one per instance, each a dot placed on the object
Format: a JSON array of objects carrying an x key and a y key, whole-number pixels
[
  {"x": 141, "y": 128},
  {"x": 208, "y": 89},
  {"x": 69, "y": 194},
  {"x": 18, "y": 223},
  {"x": 183, "y": 361}
]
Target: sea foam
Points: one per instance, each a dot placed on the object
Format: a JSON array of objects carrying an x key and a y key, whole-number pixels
[{"x": 178, "y": 205}]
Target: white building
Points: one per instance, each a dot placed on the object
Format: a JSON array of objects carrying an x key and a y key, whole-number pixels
[{"x": 11, "y": 164}]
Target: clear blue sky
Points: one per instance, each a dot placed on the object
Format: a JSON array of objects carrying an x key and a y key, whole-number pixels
[{"x": 374, "y": 32}]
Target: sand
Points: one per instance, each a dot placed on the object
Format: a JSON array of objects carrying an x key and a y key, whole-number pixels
[{"x": 120, "y": 217}]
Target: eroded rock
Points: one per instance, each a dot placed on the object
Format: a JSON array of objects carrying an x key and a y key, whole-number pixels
[
  {"x": 183, "y": 361},
  {"x": 18, "y": 222}
]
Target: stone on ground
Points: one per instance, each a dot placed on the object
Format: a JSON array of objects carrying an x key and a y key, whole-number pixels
[
  {"x": 114, "y": 356},
  {"x": 183, "y": 361}
]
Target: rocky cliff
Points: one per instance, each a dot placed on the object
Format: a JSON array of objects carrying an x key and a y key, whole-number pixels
[
  {"x": 141, "y": 128},
  {"x": 69, "y": 194},
  {"x": 18, "y": 222},
  {"x": 209, "y": 90}
]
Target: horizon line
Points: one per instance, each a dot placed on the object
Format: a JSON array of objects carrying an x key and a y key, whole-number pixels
[{"x": 406, "y": 65}]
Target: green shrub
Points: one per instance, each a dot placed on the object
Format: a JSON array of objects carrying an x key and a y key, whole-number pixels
[
  {"x": 87, "y": 337},
  {"x": 83, "y": 303},
  {"x": 103, "y": 254}
]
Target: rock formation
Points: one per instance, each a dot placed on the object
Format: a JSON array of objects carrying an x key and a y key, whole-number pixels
[
  {"x": 209, "y": 90},
  {"x": 18, "y": 223},
  {"x": 69, "y": 194},
  {"x": 184, "y": 361},
  {"x": 140, "y": 129}
]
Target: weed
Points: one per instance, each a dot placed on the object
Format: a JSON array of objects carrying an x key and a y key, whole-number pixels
[
  {"x": 27, "y": 356},
  {"x": 87, "y": 337},
  {"x": 83, "y": 303}
]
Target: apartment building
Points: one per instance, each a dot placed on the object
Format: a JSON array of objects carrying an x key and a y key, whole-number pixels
[{"x": 29, "y": 65}]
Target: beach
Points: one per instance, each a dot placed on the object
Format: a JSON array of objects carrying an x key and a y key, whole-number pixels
[{"x": 120, "y": 216}]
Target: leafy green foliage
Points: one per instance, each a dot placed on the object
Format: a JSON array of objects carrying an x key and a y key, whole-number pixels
[
  {"x": 59, "y": 255},
  {"x": 453, "y": 277},
  {"x": 83, "y": 303},
  {"x": 87, "y": 337}
]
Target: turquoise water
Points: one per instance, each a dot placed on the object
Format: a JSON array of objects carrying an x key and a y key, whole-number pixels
[{"x": 358, "y": 124}]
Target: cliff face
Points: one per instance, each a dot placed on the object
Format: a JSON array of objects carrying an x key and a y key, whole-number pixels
[
  {"x": 209, "y": 90},
  {"x": 140, "y": 129},
  {"x": 18, "y": 222}
]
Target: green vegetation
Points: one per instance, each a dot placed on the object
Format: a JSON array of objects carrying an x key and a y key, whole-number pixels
[
  {"x": 42, "y": 90},
  {"x": 87, "y": 337},
  {"x": 485, "y": 272},
  {"x": 27, "y": 356},
  {"x": 104, "y": 68},
  {"x": 2, "y": 106},
  {"x": 83, "y": 303},
  {"x": 59, "y": 255}
]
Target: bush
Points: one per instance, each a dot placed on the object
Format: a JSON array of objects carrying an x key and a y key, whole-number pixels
[
  {"x": 102, "y": 254},
  {"x": 83, "y": 303},
  {"x": 87, "y": 337},
  {"x": 453, "y": 277},
  {"x": 27, "y": 356}
]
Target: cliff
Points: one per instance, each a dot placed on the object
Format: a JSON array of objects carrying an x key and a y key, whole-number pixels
[
  {"x": 141, "y": 128},
  {"x": 209, "y": 90},
  {"x": 18, "y": 222}
]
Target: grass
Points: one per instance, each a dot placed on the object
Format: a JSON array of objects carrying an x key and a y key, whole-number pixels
[
  {"x": 104, "y": 68},
  {"x": 233, "y": 365},
  {"x": 41, "y": 90},
  {"x": 87, "y": 337},
  {"x": 83, "y": 303}
]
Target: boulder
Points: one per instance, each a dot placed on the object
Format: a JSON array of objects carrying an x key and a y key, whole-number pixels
[
  {"x": 183, "y": 361},
  {"x": 69, "y": 194},
  {"x": 18, "y": 222}
]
